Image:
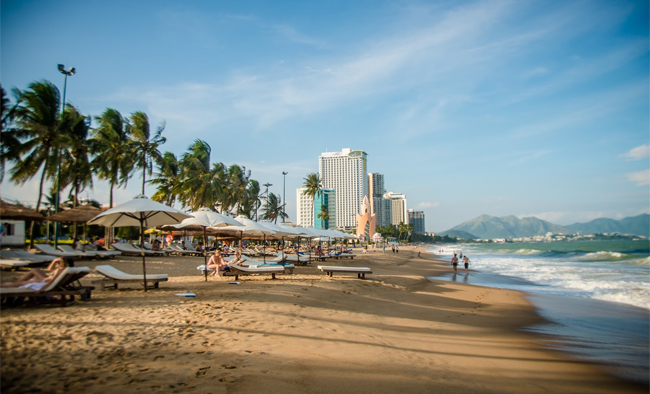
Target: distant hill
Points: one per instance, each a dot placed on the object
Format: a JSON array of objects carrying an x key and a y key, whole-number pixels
[
  {"x": 458, "y": 234},
  {"x": 637, "y": 225},
  {"x": 489, "y": 227}
]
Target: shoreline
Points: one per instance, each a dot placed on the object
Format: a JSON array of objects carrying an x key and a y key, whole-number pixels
[{"x": 395, "y": 331}]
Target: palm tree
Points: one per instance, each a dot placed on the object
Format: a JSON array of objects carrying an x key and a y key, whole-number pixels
[
  {"x": 201, "y": 183},
  {"x": 312, "y": 186},
  {"x": 237, "y": 180},
  {"x": 76, "y": 169},
  {"x": 37, "y": 129},
  {"x": 273, "y": 208},
  {"x": 167, "y": 179},
  {"x": 9, "y": 143},
  {"x": 324, "y": 216},
  {"x": 144, "y": 146},
  {"x": 251, "y": 199},
  {"x": 111, "y": 146}
]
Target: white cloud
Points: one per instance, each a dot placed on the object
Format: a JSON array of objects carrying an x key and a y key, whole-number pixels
[
  {"x": 638, "y": 153},
  {"x": 641, "y": 178}
]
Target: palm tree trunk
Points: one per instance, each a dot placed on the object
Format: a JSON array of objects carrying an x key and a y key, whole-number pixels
[
  {"x": 38, "y": 205},
  {"x": 144, "y": 171}
]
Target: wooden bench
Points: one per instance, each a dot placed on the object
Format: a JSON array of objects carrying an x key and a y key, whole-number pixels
[{"x": 360, "y": 271}]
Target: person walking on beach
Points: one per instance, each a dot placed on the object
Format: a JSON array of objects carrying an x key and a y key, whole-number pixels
[
  {"x": 454, "y": 262},
  {"x": 466, "y": 261}
]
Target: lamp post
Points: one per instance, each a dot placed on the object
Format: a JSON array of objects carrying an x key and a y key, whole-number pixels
[
  {"x": 284, "y": 201},
  {"x": 71, "y": 71}
]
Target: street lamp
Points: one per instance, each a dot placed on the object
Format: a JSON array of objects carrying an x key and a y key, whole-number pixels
[
  {"x": 284, "y": 201},
  {"x": 71, "y": 71}
]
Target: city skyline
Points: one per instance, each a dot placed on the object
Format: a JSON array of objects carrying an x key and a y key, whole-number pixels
[{"x": 479, "y": 107}]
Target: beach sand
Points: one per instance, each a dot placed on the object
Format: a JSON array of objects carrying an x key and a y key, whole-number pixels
[{"x": 395, "y": 332}]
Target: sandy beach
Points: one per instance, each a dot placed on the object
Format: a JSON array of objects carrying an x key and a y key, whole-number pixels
[{"x": 394, "y": 332}]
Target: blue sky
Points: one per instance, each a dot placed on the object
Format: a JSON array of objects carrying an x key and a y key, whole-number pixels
[{"x": 526, "y": 108}]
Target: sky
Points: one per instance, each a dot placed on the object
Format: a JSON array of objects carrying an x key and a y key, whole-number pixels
[{"x": 525, "y": 108}]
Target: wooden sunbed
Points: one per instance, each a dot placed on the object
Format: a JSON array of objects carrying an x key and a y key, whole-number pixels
[
  {"x": 360, "y": 271},
  {"x": 113, "y": 276},
  {"x": 132, "y": 250},
  {"x": 49, "y": 250},
  {"x": 66, "y": 285},
  {"x": 342, "y": 255}
]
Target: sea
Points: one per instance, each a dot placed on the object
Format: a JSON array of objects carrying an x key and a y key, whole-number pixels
[{"x": 594, "y": 295}]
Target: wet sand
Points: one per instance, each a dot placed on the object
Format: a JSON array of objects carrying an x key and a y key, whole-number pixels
[{"x": 396, "y": 331}]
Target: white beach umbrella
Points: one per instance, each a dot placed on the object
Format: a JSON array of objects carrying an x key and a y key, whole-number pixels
[
  {"x": 206, "y": 218},
  {"x": 251, "y": 228},
  {"x": 143, "y": 212}
]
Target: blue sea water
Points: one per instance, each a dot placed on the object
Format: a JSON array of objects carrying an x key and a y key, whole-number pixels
[{"x": 595, "y": 295}]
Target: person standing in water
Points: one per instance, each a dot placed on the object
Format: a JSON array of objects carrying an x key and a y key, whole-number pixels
[
  {"x": 466, "y": 261},
  {"x": 454, "y": 262}
]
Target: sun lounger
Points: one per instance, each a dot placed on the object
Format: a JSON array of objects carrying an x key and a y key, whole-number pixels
[
  {"x": 113, "y": 276},
  {"x": 342, "y": 255},
  {"x": 266, "y": 269},
  {"x": 360, "y": 271},
  {"x": 49, "y": 250},
  {"x": 102, "y": 253},
  {"x": 132, "y": 250},
  {"x": 178, "y": 249},
  {"x": 79, "y": 253},
  {"x": 26, "y": 256},
  {"x": 278, "y": 260},
  {"x": 65, "y": 285},
  {"x": 13, "y": 264},
  {"x": 297, "y": 259}
]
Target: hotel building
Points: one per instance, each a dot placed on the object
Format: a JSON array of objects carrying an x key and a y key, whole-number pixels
[
  {"x": 327, "y": 199},
  {"x": 305, "y": 209},
  {"x": 376, "y": 198},
  {"x": 345, "y": 172},
  {"x": 396, "y": 208},
  {"x": 416, "y": 218}
]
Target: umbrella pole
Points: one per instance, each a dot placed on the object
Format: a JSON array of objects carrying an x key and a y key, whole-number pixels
[
  {"x": 144, "y": 266},
  {"x": 205, "y": 254}
]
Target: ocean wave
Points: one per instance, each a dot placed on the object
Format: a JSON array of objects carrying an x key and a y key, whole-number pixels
[
  {"x": 606, "y": 256},
  {"x": 528, "y": 251}
]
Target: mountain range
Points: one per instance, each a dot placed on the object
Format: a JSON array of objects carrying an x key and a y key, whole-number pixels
[{"x": 489, "y": 227}]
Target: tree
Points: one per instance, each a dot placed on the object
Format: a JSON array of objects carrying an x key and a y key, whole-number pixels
[
  {"x": 273, "y": 208},
  {"x": 251, "y": 201},
  {"x": 37, "y": 129},
  {"x": 144, "y": 146},
  {"x": 76, "y": 169},
  {"x": 324, "y": 216},
  {"x": 9, "y": 143},
  {"x": 201, "y": 183},
  {"x": 312, "y": 186},
  {"x": 167, "y": 179},
  {"x": 111, "y": 146}
]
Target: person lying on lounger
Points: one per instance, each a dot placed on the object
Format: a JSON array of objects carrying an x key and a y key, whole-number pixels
[
  {"x": 37, "y": 279},
  {"x": 217, "y": 263}
]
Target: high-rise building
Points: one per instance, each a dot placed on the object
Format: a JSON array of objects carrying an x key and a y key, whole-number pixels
[
  {"x": 345, "y": 172},
  {"x": 397, "y": 203},
  {"x": 416, "y": 218},
  {"x": 327, "y": 199},
  {"x": 305, "y": 209},
  {"x": 376, "y": 190}
]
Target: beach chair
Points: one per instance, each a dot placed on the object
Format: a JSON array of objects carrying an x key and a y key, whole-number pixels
[
  {"x": 65, "y": 285},
  {"x": 13, "y": 264},
  {"x": 80, "y": 254},
  {"x": 344, "y": 255},
  {"x": 113, "y": 276},
  {"x": 102, "y": 254},
  {"x": 280, "y": 260},
  {"x": 267, "y": 269},
  {"x": 178, "y": 249},
  {"x": 26, "y": 256},
  {"x": 297, "y": 259},
  {"x": 129, "y": 249},
  {"x": 49, "y": 250},
  {"x": 360, "y": 271}
]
